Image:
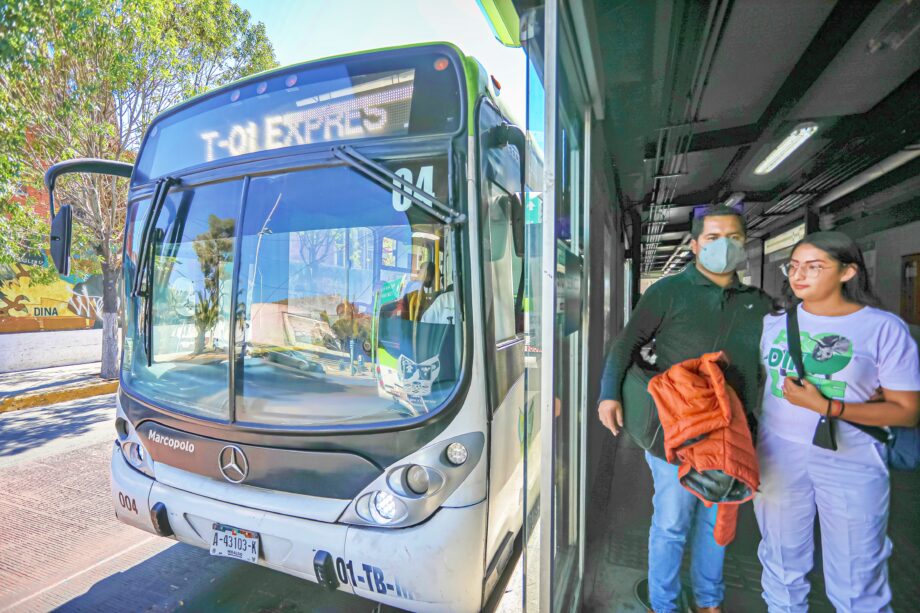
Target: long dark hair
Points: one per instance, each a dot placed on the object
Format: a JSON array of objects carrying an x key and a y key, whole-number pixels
[{"x": 844, "y": 250}]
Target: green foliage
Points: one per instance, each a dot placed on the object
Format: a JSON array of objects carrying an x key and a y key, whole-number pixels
[
  {"x": 84, "y": 78},
  {"x": 214, "y": 249}
]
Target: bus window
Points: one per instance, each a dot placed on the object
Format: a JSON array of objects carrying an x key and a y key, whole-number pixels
[
  {"x": 419, "y": 318},
  {"x": 505, "y": 262},
  {"x": 333, "y": 283},
  {"x": 192, "y": 270},
  {"x": 416, "y": 283}
]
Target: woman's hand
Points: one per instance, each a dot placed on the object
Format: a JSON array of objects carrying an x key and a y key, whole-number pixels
[{"x": 806, "y": 396}]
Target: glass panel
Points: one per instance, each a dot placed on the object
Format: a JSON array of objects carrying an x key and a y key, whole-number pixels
[
  {"x": 192, "y": 248},
  {"x": 347, "y": 310},
  {"x": 532, "y": 25},
  {"x": 570, "y": 283},
  {"x": 506, "y": 265},
  {"x": 132, "y": 342}
]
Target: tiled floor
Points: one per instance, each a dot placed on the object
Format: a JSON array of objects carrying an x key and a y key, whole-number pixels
[{"x": 619, "y": 511}]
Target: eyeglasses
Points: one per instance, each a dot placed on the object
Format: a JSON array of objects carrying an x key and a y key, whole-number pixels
[{"x": 811, "y": 270}]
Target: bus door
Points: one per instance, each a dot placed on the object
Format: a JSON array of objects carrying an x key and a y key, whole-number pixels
[{"x": 502, "y": 226}]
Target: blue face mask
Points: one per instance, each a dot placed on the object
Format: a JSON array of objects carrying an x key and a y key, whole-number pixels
[{"x": 722, "y": 255}]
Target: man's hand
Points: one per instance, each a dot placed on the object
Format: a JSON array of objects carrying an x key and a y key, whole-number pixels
[{"x": 610, "y": 413}]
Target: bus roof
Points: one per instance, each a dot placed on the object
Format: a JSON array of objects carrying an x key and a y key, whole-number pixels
[{"x": 477, "y": 81}]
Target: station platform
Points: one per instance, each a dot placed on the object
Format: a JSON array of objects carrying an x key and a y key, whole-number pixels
[{"x": 619, "y": 514}]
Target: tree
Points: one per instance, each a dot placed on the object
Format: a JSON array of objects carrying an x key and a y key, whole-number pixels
[
  {"x": 214, "y": 249},
  {"x": 84, "y": 78}
]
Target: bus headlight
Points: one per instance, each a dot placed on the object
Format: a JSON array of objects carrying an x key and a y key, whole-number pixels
[
  {"x": 122, "y": 428},
  {"x": 385, "y": 506},
  {"x": 417, "y": 479},
  {"x": 132, "y": 448},
  {"x": 134, "y": 453},
  {"x": 380, "y": 508},
  {"x": 411, "y": 490},
  {"x": 457, "y": 454}
]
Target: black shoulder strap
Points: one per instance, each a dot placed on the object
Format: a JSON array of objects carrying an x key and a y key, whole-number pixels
[{"x": 793, "y": 342}]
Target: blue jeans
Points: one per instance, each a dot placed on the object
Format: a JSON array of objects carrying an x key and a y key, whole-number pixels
[{"x": 680, "y": 515}]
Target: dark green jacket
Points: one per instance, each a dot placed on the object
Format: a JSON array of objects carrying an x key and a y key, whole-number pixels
[{"x": 689, "y": 315}]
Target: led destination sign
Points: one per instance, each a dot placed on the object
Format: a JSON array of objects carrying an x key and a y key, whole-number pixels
[
  {"x": 378, "y": 107},
  {"x": 411, "y": 92}
]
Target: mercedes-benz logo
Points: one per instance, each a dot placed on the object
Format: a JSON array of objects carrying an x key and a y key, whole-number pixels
[{"x": 233, "y": 464}]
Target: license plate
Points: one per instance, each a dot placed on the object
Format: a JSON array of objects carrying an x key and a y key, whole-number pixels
[{"x": 230, "y": 542}]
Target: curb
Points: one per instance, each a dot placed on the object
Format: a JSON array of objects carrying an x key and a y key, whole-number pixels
[{"x": 54, "y": 396}]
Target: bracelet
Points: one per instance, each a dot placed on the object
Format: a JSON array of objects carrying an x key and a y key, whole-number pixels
[
  {"x": 827, "y": 411},
  {"x": 843, "y": 406}
]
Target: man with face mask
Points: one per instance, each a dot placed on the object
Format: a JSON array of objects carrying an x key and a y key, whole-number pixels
[{"x": 705, "y": 308}]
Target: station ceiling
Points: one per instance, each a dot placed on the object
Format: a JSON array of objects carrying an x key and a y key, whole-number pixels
[{"x": 698, "y": 94}]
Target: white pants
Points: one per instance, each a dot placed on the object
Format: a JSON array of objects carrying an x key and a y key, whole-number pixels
[{"x": 849, "y": 490}]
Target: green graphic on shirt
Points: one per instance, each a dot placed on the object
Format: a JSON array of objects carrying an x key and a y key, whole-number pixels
[{"x": 823, "y": 355}]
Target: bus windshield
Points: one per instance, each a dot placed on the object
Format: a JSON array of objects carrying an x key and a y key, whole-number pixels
[{"x": 345, "y": 306}]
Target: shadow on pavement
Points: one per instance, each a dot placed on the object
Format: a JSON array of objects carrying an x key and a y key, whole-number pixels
[
  {"x": 187, "y": 578},
  {"x": 15, "y": 383},
  {"x": 28, "y": 429}
]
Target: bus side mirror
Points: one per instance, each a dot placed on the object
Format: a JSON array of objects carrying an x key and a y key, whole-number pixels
[
  {"x": 61, "y": 228},
  {"x": 517, "y": 225}
]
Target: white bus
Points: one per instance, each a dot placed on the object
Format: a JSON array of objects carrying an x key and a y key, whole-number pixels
[{"x": 323, "y": 363}]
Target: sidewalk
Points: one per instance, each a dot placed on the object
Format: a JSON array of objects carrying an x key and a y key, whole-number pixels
[{"x": 31, "y": 388}]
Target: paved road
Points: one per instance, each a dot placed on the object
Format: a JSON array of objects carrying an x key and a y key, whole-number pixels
[{"x": 62, "y": 548}]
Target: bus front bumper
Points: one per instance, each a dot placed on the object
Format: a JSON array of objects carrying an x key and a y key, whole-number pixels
[{"x": 435, "y": 566}]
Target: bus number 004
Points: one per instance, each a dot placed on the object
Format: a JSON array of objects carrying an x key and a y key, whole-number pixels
[{"x": 127, "y": 502}]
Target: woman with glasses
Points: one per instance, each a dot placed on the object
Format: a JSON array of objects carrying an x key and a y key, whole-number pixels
[{"x": 861, "y": 367}]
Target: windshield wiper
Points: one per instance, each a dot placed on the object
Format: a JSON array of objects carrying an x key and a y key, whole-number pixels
[
  {"x": 390, "y": 180},
  {"x": 156, "y": 204},
  {"x": 157, "y": 236},
  {"x": 143, "y": 275}
]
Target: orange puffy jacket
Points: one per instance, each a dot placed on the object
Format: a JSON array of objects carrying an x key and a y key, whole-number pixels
[{"x": 706, "y": 434}]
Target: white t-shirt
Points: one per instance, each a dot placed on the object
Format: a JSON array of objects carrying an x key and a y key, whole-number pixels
[
  {"x": 441, "y": 311},
  {"x": 847, "y": 357}
]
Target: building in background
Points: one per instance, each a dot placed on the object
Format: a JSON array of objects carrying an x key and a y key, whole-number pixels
[
  {"x": 73, "y": 302},
  {"x": 71, "y": 305}
]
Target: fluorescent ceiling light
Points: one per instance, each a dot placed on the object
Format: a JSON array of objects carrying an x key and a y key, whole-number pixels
[
  {"x": 792, "y": 142},
  {"x": 733, "y": 200}
]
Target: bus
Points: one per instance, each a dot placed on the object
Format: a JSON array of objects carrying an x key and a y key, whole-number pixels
[{"x": 323, "y": 359}]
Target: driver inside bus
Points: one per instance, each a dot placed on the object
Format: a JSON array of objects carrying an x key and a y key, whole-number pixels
[
  {"x": 417, "y": 293},
  {"x": 442, "y": 309},
  {"x": 420, "y": 303}
]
